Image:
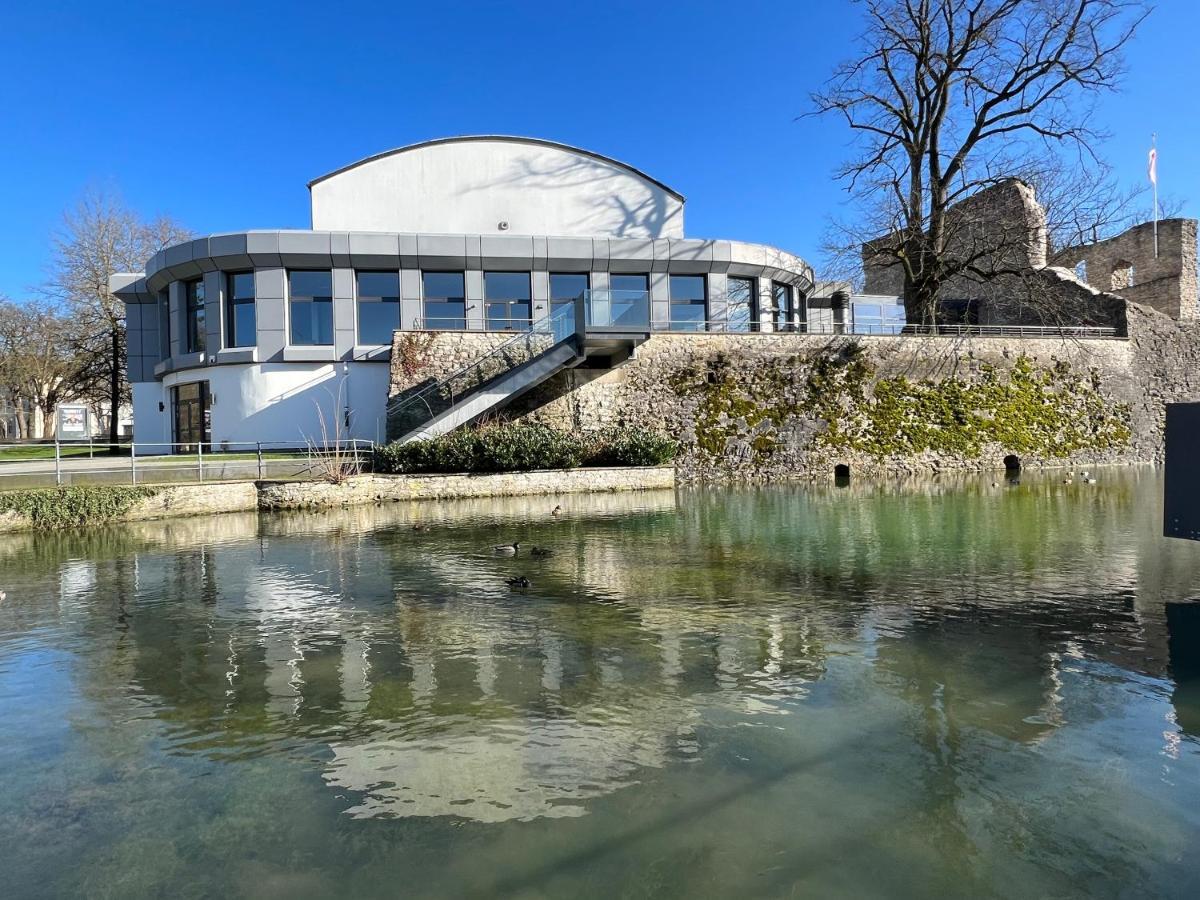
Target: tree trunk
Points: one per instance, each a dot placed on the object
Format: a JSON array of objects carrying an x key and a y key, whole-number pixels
[{"x": 114, "y": 387}]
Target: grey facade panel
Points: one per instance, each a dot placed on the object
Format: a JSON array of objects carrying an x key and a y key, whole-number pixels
[
  {"x": 271, "y": 342},
  {"x": 343, "y": 313},
  {"x": 271, "y": 313},
  {"x": 512, "y": 252},
  {"x": 263, "y": 248},
  {"x": 305, "y": 249},
  {"x": 373, "y": 251},
  {"x": 214, "y": 291},
  {"x": 339, "y": 248},
  {"x": 179, "y": 253},
  {"x": 269, "y": 284},
  {"x": 343, "y": 282},
  {"x": 176, "y": 312},
  {"x": 409, "y": 257},
  {"x": 343, "y": 343},
  {"x": 568, "y": 254},
  {"x": 447, "y": 251},
  {"x": 322, "y": 353}
]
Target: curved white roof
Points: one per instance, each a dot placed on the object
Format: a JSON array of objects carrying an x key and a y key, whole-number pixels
[{"x": 494, "y": 184}]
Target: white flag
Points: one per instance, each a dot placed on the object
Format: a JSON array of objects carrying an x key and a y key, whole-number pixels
[{"x": 1154, "y": 166}]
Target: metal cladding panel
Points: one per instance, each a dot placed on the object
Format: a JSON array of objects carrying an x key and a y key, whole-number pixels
[
  {"x": 567, "y": 254},
  {"x": 343, "y": 283},
  {"x": 662, "y": 255},
  {"x": 271, "y": 313},
  {"x": 271, "y": 342},
  {"x": 307, "y": 249},
  {"x": 447, "y": 251},
  {"x": 374, "y": 251},
  {"x": 269, "y": 283},
  {"x": 343, "y": 313},
  {"x": 408, "y": 250},
  {"x": 691, "y": 257},
  {"x": 1181, "y": 485},
  {"x": 339, "y": 248},
  {"x": 227, "y": 245},
  {"x": 180, "y": 253},
  {"x": 512, "y": 252},
  {"x": 263, "y": 247},
  {"x": 630, "y": 255}
]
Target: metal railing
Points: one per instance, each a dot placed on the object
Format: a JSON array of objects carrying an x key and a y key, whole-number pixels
[
  {"x": 888, "y": 329},
  {"x": 152, "y": 462}
]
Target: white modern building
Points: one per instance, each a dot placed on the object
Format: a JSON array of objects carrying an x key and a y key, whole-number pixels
[{"x": 285, "y": 336}]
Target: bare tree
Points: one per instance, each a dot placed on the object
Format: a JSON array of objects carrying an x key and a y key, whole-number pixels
[
  {"x": 950, "y": 97},
  {"x": 37, "y": 360},
  {"x": 100, "y": 237}
]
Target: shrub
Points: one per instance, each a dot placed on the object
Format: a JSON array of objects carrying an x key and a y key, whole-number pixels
[
  {"x": 631, "y": 447},
  {"x": 70, "y": 506},
  {"x": 517, "y": 448}
]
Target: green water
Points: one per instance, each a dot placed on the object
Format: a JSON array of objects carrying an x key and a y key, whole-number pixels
[{"x": 938, "y": 690}]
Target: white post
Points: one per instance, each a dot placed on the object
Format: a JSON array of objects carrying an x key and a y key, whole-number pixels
[
  {"x": 57, "y": 464},
  {"x": 1154, "y": 181}
]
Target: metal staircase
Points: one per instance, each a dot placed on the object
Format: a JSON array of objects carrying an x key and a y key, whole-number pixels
[{"x": 568, "y": 337}]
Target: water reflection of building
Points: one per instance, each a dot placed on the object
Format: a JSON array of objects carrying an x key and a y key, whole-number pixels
[
  {"x": 431, "y": 689},
  {"x": 437, "y": 690}
]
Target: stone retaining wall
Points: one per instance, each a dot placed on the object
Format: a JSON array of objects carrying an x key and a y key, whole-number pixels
[
  {"x": 244, "y": 496},
  {"x": 387, "y": 488},
  {"x": 768, "y": 406}
]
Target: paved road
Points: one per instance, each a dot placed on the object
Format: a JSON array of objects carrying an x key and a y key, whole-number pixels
[{"x": 118, "y": 469}]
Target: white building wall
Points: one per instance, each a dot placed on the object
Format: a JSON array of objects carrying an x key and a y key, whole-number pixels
[
  {"x": 273, "y": 403},
  {"x": 473, "y": 185}
]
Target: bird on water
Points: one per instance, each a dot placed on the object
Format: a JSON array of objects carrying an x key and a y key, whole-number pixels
[
  {"x": 519, "y": 582},
  {"x": 508, "y": 549}
]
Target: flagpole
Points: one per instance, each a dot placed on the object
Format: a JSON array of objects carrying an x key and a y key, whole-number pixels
[{"x": 1154, "y": 148}]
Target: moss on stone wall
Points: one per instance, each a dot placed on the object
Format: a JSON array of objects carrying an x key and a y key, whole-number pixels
[
  {"x": 66, "y": 507},
  {"x": 836, "y": 401}
]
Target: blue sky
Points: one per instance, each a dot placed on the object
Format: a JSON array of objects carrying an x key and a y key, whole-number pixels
[{"x": 219, "y": 113}]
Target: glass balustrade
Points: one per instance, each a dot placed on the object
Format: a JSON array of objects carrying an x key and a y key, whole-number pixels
[{"x": 619, "y": 311}]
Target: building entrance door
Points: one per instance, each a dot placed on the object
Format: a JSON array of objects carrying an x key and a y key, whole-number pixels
[{"x": 193, "y": 419}]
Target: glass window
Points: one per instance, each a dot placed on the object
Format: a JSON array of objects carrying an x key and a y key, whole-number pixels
[
  {"x": 565, "y": 288},
  {"x": 782, "y": 295},
  {"x": 688, "y": 304},
  {"x": 239, "y": 309},
  {"x": 197, "y": 334},
  {"x": 445, "y": 301},
  {"x": 378, "y": 306},
  {"x": 506, "y": 299},
  {"x": 310, "y": 306},
  {"x": 639, "y": 283},
  {"x": 742, "y": 304}
]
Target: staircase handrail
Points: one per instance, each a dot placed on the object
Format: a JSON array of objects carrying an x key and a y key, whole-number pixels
[{"x": 552, "y": 324}]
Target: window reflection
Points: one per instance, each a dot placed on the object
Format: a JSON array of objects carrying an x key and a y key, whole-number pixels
[
  {"x": 310, "y": 307},
  {"x": 378, "y": 306},
  {"x": 445, "y": 301}
]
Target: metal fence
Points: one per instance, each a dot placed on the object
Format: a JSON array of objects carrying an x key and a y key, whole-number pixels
[
  {"x": 154, "y": 462},
  {"x": 703, "y": 326}
]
